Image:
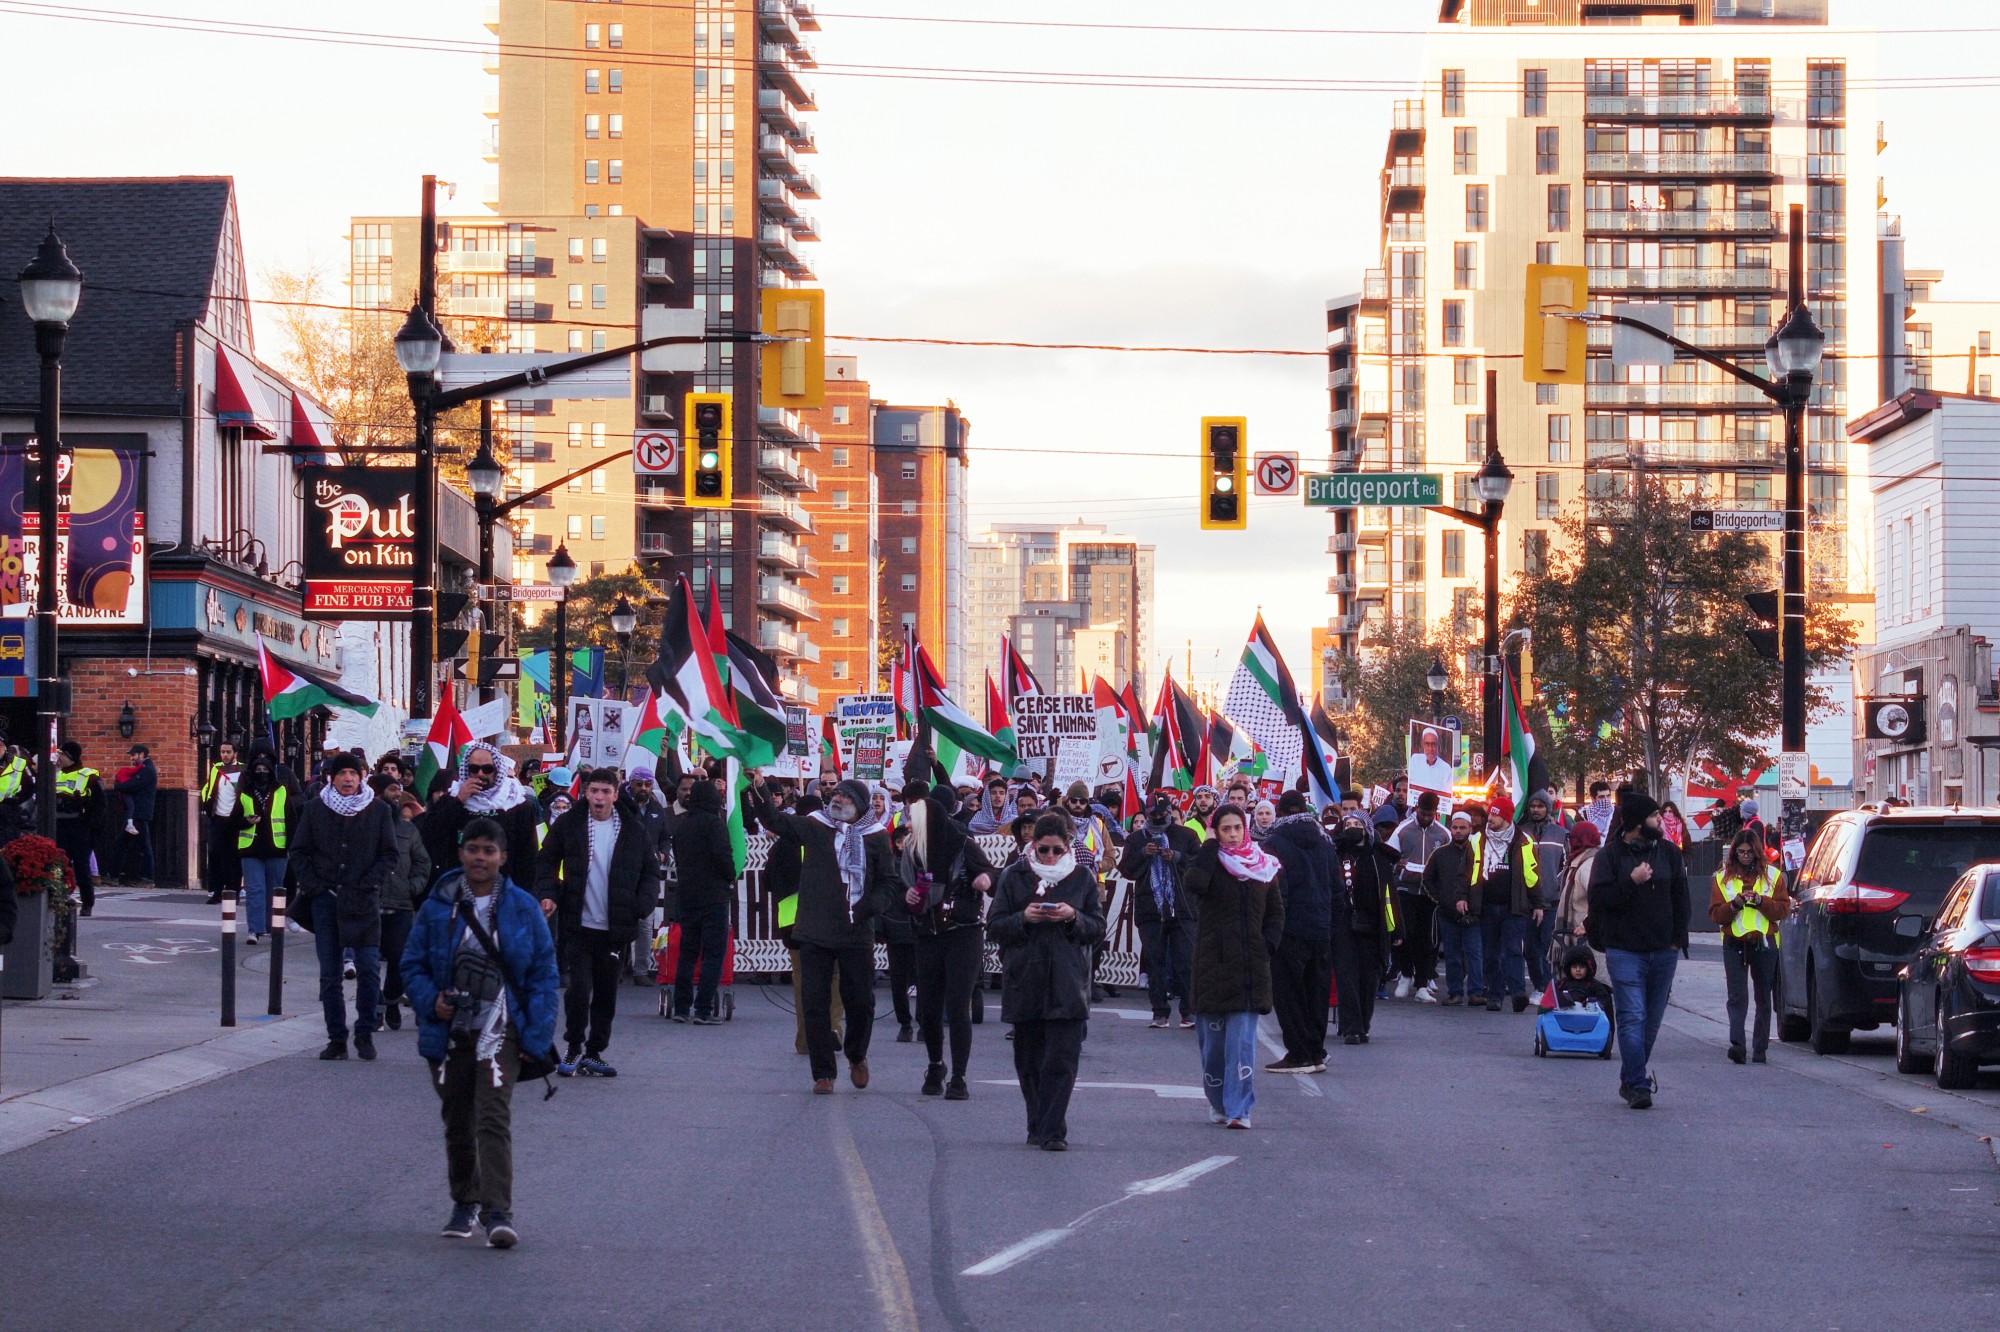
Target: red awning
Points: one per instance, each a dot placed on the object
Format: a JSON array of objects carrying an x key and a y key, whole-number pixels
[
  {"x": 312, "y": 428},
  {"x": 239, "y": 399}
]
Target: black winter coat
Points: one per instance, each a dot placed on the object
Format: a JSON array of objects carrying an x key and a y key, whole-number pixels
[
  {"x": 1242, "y": 922},
  {"x": 444, "y": 821},
  {"x": 349, "y": 856},
  {"x": 1638, "y": 917},
  {"x": 823, "y": 917},
  {"x": 954, "y": 903},
  {"x": 704, "y": 862},
  {"x": 1044, "y": 964},
  {"x": 1136, "y": 864},
  {"x": 1371, "y": 870},
  {"x": 1313, "y": 892},
  {"x": 562, "y": 871}
]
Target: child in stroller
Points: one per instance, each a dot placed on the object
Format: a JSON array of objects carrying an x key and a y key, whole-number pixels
[{"x": 1575, "y": 1009}]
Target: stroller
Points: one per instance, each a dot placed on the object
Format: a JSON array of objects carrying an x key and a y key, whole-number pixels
[
  {"x": 667, "y": 953},
  {"x": 1575, "y": 1015}
]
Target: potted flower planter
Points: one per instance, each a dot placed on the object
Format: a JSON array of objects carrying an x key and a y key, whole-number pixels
[{"x": 30, "y": 964}]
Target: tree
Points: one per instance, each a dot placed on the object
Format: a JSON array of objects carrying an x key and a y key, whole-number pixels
[
  {"x": 589, "y": 620},
  {"x": 1642, "y": 640},
  {"x": 1391, "y": 685}
]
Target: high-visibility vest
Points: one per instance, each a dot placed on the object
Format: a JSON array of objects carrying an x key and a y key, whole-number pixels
[
  {"x": 11, "y": 775},
  {"x": 1531, "y": 870},
  {"x": 75, "y": 782},
  {"x": 1748, "y": 920},
  {"x": 279, "y": 836}
]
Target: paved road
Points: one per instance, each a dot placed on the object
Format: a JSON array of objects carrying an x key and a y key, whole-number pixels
[{"x": 1440, "y": 1176}]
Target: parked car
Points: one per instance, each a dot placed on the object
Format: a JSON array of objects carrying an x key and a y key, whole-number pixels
[
  {"x": 1948, "y": 1015},
  {"x": 1840, "y": 952}
]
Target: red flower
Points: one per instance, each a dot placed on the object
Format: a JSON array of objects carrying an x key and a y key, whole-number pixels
[{"x": 38, "y": 865}]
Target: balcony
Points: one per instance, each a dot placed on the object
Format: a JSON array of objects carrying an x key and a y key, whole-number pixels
[
  {"x": 1410, "y": 229},
  {"x": 1707, "y": 393},
  {"x": 1707, "y": 454},
  {"x": 489, "y": 106},
  {"x": 775, "y": 18},
  {"x": 1679, "y": 164},
  {"x": 772, "y": 105},
  {"x": 1344, "y": 458},
  {"x": 1683, "y": 106},
  {"x": 777, "y": 199},
  {"x": 805, "y": 226},
  {"x": 808, "y": 21},
  {"x": 1628, "y": 222},
  {"x": 782, "y": 466},
  {"x": 653, "y": 544},
  {"x": 775, "y": 151},
  {"x": 785, "y": 424},
  {"x": 476, "y": 307},
  {"x": 657, "y": 493},
  {"x": 782, "y": 68},
  {"x": 769, "y": 276},
  {"x": 654, "y": 268},
  {"x": 777, "y": 594},
  {"x": 489, "y": 145},
  {"x": 805, "y": 184},
  {"x": 785, "y": 511},
  {"x": 1341, "y": 378},
  {"x": 1407, "y": 115},
  {"x": 798, "y": 690},
  {"x": 1684, "y": 279},
  {"x": 774, "y": 637},
  {"x": 1744, "y": 336},
  {"x": 472, "y": 261},
  {"x": 1337, "y": 337},
  {"x": 1340, "y": 543},
  {"x": 779, "y": 549},
  {"x": 1340, "y": 585},
  {"x": 489, "y": 16},
  {"x": 1374, "y": 287},
  {"x": 1405, "y": 174},
  {"x": 1343, "y": 418}
]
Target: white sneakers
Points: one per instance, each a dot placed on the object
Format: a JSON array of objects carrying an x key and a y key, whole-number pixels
[
  {"x": 1428, "y": 995},
  {"x": 1402, "y": 987}
]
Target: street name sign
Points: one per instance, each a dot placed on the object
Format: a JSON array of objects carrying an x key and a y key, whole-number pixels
[
  {"x": 1374, "y": 489},
  {"x": 1735, "y": 520}
]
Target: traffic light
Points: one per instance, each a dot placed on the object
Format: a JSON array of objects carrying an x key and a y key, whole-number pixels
[
  {"x": 1764, "y": 634},
  {"x": 793, "y": 373},
  {"x": 1553, "y": 348},
  {"x": 707, "y": 469},
  {"x": 1223, "y": 473}
]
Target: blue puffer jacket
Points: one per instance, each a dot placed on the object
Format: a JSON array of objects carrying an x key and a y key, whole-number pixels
[{"x": 525, "y": 947}]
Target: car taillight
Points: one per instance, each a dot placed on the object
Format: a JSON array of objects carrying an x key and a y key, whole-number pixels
[
  {"x": 1859, "y": 899},
  {"x": 1983, "y": 964}
]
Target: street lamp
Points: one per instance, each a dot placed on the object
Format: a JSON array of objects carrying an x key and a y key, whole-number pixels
[
  {"x": 623, "y": 621},
  {"x": 419, "y": 348},
  {"x": 1491, "y": 484},
  {"x": 1437, "y": 678},
  {"x": 485, "y": 475},
  {"x": 1793, "y": 353},
  {"x": 51, "y": 288},
  {"x": 562, "y": 572}
]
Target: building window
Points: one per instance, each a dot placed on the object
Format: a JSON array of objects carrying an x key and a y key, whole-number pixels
[
  {"x": 840, "y": 542},
  {"x": 615, "y": 80},
  {"x": 840, "y": 626},
  {"x": 597, "y": 340},
  {"x": 1548, "y": 150},
  {"x": 1534, "y": 92},
  {"x": 840, "y": 499},
  {"x": 591, "y": 79},
  {"x": 1475, "y": 208},
  {"x": 576, "y": 249},
  {"x": 599, "y": 526},
  {"x": 576, "y": 339},
  {"x": 1548, "y": 495},
  {"x": 1559, "y": 439},
  {"x": 1826, "y": 85},
  {"x": 615, "y": 170},
  {"x": 1985, "y": 386},
  {"x": 1454, "y": 323},
  {"x": 840, "y": 457},
  {"x": 1547, "y": 252},
  {"x": 597, "y": 481},
  {"x": 615, "y": 125},
  {"x": 597, "y": 436},
  {"x": 1454, "y": 92},
  {"x": 1454, "y": 554},
  {"x": 576, "y": 434},
  {"x": 1558, "y": 208},
  {"x": 908, "y": 434},
  {"x": 840, "y": 585},
  {"x": 1465, "y": 151},
  {"x": 840, "y": 418},
  {"x": 909, "y": 545},
  {"x": 614, "y": 36},
  {"x": 591, "y": 210},
  {"x": 1534, "y": 553},
  {"x": 909, "y": 471},
  {"x": 1547, "y": 395},
  {"x": 590, "y": 170},
  {"x": 576, "y": 295},
  {"x": 1465, "y": 265},
  {"x": 600, "y": 250},
  {"x": 597, "y": 295},
  {"x": 590, "y": 124},
  {"x": 1475, "y": 437},
  {"x": 1985, "y": 343},
  {"x": 909, "y": 507},
  {"x": 1465, "y": 382},
  {"x": 590, "y": 36},
  {"x": 576, "y": 526},
  {"x": 840, "y": 669},
  {"x": 907, "y": 583}
]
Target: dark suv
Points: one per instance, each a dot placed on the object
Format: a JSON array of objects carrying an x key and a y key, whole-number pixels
[{"x": 1839, "y": 950}]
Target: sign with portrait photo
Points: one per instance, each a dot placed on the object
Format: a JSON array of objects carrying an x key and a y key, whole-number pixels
[{"x": 1433, "y": 761}]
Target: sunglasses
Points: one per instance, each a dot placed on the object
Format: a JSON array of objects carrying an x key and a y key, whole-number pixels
[
  {"x": 485, "y": 769},
  {"x": 1050, "y": 852}
]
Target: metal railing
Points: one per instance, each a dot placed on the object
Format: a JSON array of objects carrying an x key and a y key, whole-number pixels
[
  {"x": 1702, "y": 221},
  {"x": 1680, "y": 164},
  {"x": 1684, "y": 279}
]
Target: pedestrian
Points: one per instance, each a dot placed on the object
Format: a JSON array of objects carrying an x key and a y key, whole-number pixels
[
  {"x": 481, "y": 972},
  {"x": 846, "y": 874},
  {"x": 1673, "y": 827},
  {"x": 342, "y": 852},
  {"x": 1639, "y": 916},
  {"x": 1573, "y": 905},
  {"x": 1448, "y": 883},
  {"x": 218, "y": 806},
  {"x": 945, "y": 877},
  {"x": 402, "y": 893},
  {"x": 137, "y": 785},
  {"x": 997, "y": 811},
  {"x": 1545, "y": 832},
  {"x": 898, "y": 938},
  {"x": 1414, "y": 841},
  {"x": 1302, "y": 964},
  {"x": 1262, "y": 815},
  {"x": 1600, "y": 809},
  {"x": 1508, "y": 882},
  {"x": 1201, "y": 809},
  {"x": 1364, "y": 919},
  {"x": 1399, "y": 796},
  {"x": 1155, "y": 860},
  {"x": 1046, "y": 915},
  {"x": 1240, "y": 921},
  {"x": 596, "y": 876},
  {"x": 260, "y": 830},
  {"x": 704, "y": 884},
  {"x": 486, "y": 788},
  {"x": 1748, "y": 900},
  {"x": 79, "y": 808}
]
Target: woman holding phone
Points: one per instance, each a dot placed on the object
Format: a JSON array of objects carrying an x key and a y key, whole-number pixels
[{"x": 1046, "y": 915}]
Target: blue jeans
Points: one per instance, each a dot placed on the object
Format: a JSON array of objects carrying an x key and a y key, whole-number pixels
[
  {"x": 1501, "y": 937},
  {"x": 1539, "y": 938},
  {"x": 1228, "y": 1043},
  {"x": 260, "y": 876},
  {"x": 1640, "y": 986},
  {"x": 1464, "y": 962},
  {"x": 332, "y": 990}
]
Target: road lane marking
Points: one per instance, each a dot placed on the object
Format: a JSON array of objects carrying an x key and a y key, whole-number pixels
[
  {"x": 1166, "y": 1091},
  {"x": 886, "y": 1273},
  {"x": 1138, "y": 1188},
  {"x": 1277, "y": 1048}
]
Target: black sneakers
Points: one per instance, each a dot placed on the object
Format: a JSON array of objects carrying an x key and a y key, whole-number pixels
[
  {"x": 334, "y": 1050},
  {"x": 500, "y": 1232},
  {"x": 464, "y": 1220},
  {"x": 1520, "y": 1003},
  {"x": 934, "y": 1080},
  {"x": 956, "y": 1090},
  {"x": 364, "y": 1044}
]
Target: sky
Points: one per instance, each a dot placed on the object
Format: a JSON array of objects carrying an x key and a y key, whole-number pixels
[{"x": 1077, "y": 213}]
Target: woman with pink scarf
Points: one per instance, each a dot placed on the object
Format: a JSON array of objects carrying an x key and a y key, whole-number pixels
[{"x": 1238, "y": 888}]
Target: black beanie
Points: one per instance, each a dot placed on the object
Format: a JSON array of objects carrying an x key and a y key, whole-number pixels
[{"x": 1638, "y": 807}]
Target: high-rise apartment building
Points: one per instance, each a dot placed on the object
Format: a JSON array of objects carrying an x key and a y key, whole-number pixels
[
  {"x": 1660, "y": 144},
  {"x": 842, "y": 548},
  {"x": 923, "y": 495},
  {"x": 1947, "y": 345},
  {"x": 687, "y": 116},
  {"x": 1068, "y": 596}
]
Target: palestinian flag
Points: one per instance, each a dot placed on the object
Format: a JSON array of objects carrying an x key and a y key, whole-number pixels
[
  {"x": 1321, "y": 759},
  {"x": 1522, "y": 769},
  {"x": 1262, "y": 695},
  {"x": 1112, "y": 722},
  {"x": 760, "y": 717},
  {"x": 1190, "y": 736},
  {"x": 1134, "y": 805},
  {"x": 684, "y": 677},
  {"x": 735, "y": 783},
  {"x": 1230, "y": 746},
  {"x": 447, "y": 740},
  {"x": 998, "y": 720},
  {"x": 1019, "y": 679},
  {"x": 293, "y": 691},
  {"x": 650, "y": 738},
  {"x": 948, "y": 721},
  {"x": 1136, "y": 720},
  {"x": 829, "y": 748},
  {"x": 718, "y": 647}
]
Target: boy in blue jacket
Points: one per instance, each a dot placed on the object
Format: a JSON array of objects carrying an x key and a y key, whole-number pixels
[{"x": 475, "y": 1014}]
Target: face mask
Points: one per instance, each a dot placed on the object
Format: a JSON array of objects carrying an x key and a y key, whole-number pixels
[{"x": 1351, "y": 837}]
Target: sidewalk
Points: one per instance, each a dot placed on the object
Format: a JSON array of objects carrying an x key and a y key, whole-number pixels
[{"x": 147, "y": 1021}]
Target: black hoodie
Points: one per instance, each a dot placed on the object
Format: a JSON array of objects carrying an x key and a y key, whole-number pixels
[
  {"x": 704, "y": 861},
  {"x": 1312, "y": 885}
]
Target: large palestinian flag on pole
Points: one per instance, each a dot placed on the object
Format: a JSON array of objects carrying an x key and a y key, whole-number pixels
[
  {"x": 998, "y": 720},
  {"x": 685, "y": 679},
  {"x": 948, "y": 721},
  {"x": 293, "y": 691},
  {"x": 1522, "y": 768},
  {"x": 1019, "y": 679},
  {"x": 449, "y": 735},
  {"x": 760, "y": 717},
  {"x": 1263, "y": 701}
]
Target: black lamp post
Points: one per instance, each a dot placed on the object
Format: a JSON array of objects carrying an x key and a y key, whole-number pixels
[
  {"x": 1437, "y": 678},
  {"x": 623, "y": 621},
  {"x": 1491, "y": 485},
  {"x": 562, "y": 572},
  {"x": 51, "y": 288},
  {"x": 419, "y": 347},
  {"x": 1793, "y": 354},
  {"x": 485, "y": 475}
]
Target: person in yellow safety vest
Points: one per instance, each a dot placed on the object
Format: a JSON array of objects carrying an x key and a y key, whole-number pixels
[
  {"x": 1507, "y": 874},
  {"x": 261, "y": 823},
  {"x": 1201, "y": 809},
  {"x": 218, "y": 803},
  {"x": 17, "y": 790},
  {"x": 1748, "y": 900},
  {"x": 79, "y": 805}
]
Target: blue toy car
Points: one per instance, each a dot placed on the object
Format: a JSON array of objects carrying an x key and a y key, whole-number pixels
[{"x": 1574, "y": 1031}]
